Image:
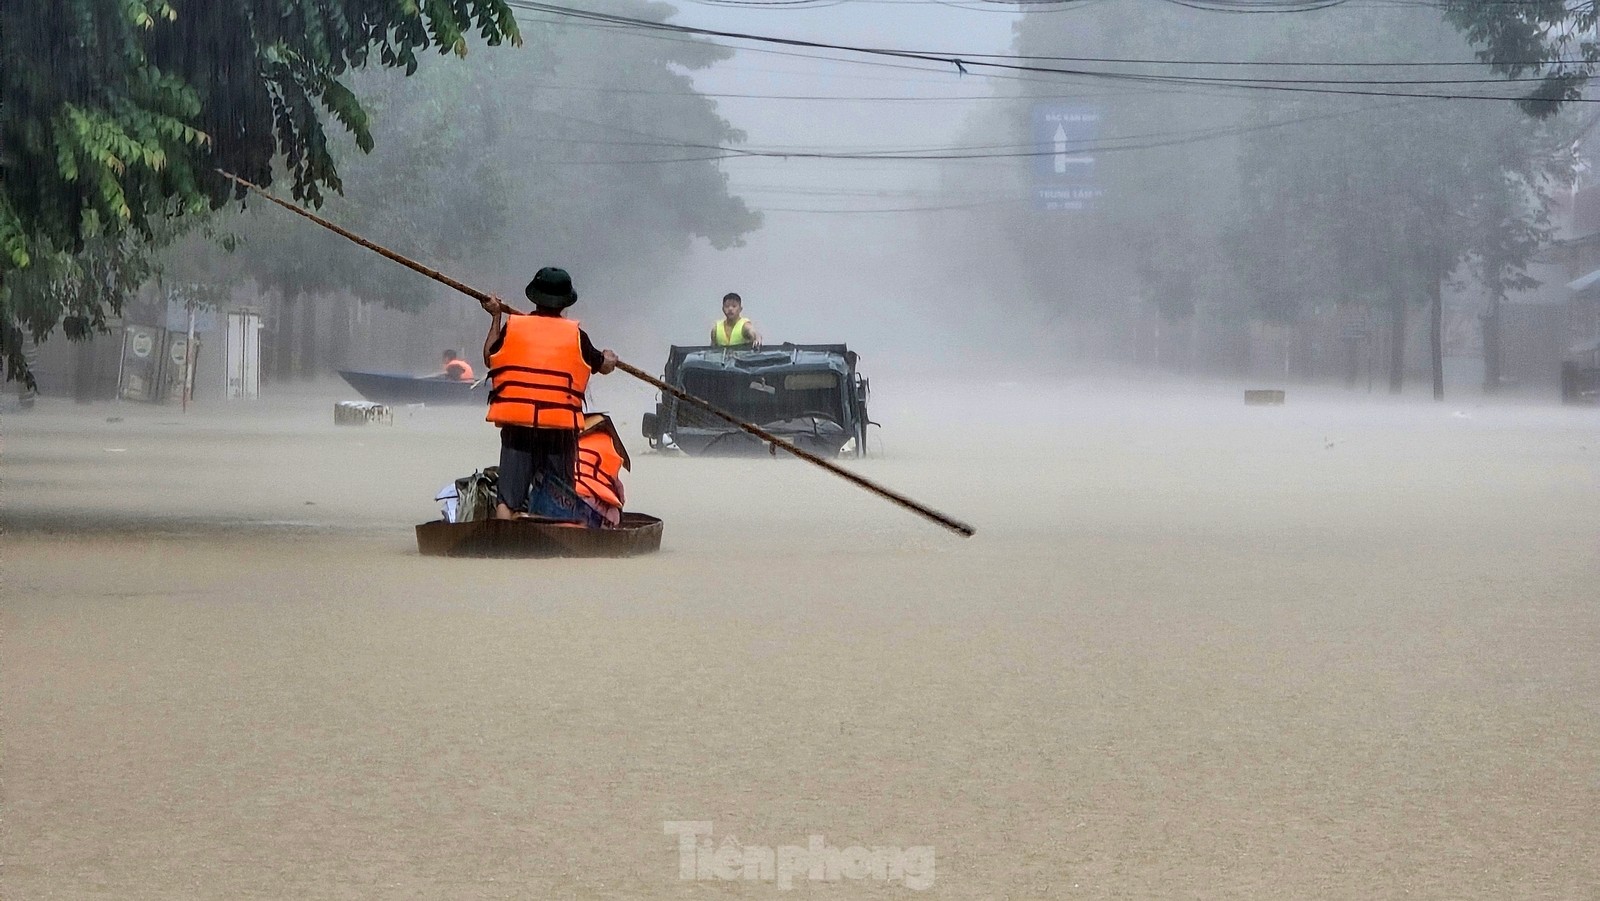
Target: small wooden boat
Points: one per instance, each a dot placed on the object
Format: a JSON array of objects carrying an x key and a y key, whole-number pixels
[
  {"x": 638, "y": 534},
  {"x": 398, "y": 390}
]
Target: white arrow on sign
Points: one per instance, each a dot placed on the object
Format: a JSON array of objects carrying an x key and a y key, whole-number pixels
[{"x": 1061, "y": 149}]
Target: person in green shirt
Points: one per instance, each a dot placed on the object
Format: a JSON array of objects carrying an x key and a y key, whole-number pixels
[{"x": 733, "y": 329}]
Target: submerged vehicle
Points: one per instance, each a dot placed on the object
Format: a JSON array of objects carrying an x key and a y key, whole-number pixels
[
  {"x": 809, "y": 394},
  {"x": 397, "y": 390}
]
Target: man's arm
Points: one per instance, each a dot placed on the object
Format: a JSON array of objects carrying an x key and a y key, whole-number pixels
[
  {"x": 751, "y": 333},
  {"x": 599, "y": 361},
  {"x": 495, "y": 308}
]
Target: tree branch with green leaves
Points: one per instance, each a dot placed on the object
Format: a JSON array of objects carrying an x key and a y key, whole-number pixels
[{"x": 116, "y": 114}]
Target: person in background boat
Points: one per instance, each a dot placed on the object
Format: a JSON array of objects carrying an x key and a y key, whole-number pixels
[
  {"x": 733, "y": 329},
  {"x": 601, "y": 460},
  {"x": 455, "y": 368},
  {"x": 539, "y": 366}
]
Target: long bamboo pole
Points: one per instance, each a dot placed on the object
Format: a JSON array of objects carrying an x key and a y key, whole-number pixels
[{"x": 954, "y": 525}]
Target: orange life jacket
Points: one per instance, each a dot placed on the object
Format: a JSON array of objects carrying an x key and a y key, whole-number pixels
[
  {"x": 601, "y": 460},
  {"x": 459, "y": 369},
  {"x": 538, "y": 375}
]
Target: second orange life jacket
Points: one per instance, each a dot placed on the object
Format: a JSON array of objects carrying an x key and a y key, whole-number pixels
[{"x": 601, "y": 460}]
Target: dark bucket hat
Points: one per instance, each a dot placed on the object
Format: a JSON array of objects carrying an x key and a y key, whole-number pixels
[{"x": 551, "y": 289}]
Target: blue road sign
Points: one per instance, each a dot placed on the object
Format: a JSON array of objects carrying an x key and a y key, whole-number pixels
[{"x": 1063, "y": 161}]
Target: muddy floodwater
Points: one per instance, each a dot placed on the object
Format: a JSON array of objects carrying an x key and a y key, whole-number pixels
[{"x": 1344, "y": 648}]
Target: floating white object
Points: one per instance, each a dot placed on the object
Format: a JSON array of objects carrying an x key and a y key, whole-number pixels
[
  {"x": 450, "y": 498},
  {"x": 360, "y": 412}
]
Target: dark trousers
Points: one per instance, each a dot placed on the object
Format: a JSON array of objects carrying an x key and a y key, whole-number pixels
[{"x": 529, "y": 456}]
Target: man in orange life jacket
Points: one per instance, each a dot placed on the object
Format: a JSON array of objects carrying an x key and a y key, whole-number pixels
[
  {"x": 455, "y": 368},
  {"x": 601, "y": 460},
  {"x": 539, "y": 367}
]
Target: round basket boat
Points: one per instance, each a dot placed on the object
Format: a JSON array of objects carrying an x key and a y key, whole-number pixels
[{"x": 638, "y": 534}]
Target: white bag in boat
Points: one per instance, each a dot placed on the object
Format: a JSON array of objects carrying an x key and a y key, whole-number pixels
[{"x": 447, "y": 496}]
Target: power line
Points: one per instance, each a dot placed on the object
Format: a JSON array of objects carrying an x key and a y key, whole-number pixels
[
  {"x": 1015, "y": 7},
  {"x": 972, "y": 151},
  {"x": 961, "y": 63},
  {"x": 1006, "y": 201},
  {"x": 840, "y": 98},
  {"x": 711, "y": 152},
  {"x": 1277, "y": 63},
  {"x": 941, "y": 71}
]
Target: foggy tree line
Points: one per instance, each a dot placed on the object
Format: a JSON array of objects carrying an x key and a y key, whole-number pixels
[
  {"x": 116, "y": 114},
  {"x": 489, "y": 171},
  {"x": 1226, "y": 205}
]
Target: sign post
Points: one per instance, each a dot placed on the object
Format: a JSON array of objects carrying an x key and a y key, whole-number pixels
[
  {"x": 188, "y": 359},
  {"x": 1063, "y": 169}
]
